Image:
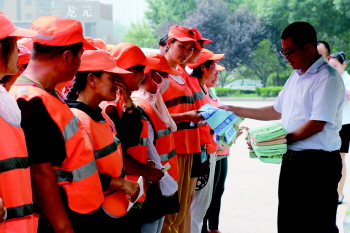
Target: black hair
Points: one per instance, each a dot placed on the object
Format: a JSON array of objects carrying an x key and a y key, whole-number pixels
[
  {"x": 325, "y": 45},
  {"x": 163, "y": 40},
  {"x": 339, "y": 56},
  {"x": 7, "y": 45},
  {"x": 137, "y": 67},
  {"x": 197, "y": 71},
  {"x": 79, "y": 83},
  {"x": 302, "y": 33},
  {"x": 172, "y": 40},
  {"x": 47, "y": 52}
]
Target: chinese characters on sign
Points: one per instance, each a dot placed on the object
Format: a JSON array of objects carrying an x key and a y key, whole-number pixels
[{"x": 74, "y": 12}]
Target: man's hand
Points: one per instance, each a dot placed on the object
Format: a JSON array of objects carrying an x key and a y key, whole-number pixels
[{"x": 2, "y": 212}]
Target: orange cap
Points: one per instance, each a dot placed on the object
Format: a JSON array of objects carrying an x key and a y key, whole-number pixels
[
  {"x": 199, "y": 37},
  {"x": 100, "y": 44},
  {"x": 100, "y": 60},
  {"x": 205, "y": 56},
  {"x": 9, "y": 29},
  {"x": 163, "y": 65},
  {"x": 220, "y": 68},
  {"x": 23, "y": 55},
  {"x": 57, "y": 31},
  {"x": 127, "y": 55},
  {"x": 183, "y": 34},
  {"x": 26, "y": 42},
  {"x": 110, "y": 47},
  {"x": 91, "y": 41}
]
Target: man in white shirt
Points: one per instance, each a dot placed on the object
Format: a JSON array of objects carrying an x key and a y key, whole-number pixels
[{"x": 310, "y": 107}]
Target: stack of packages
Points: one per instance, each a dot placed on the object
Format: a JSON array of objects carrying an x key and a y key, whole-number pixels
[
  {"x": 268, "y": 142},
  {"x": 224, "y": 123}
]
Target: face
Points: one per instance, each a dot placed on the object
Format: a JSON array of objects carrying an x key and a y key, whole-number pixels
[
  {"x": 135, "y": 82},
  {"x": 209, "y": 72},
  {"x": 296, "y": 56},
  {"x": 212, "y": 81},
  {"x": 105, "y": 86},
  {"x": 179, "y": 52},
  {"x": 322, "y": 50},
  {"x": 194, "y": 57},
  {"x": 13, "y": 59},
  {"x": 336, "y": 64}
]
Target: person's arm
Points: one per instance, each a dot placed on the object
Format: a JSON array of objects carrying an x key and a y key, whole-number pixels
[
  {"x": 187, "y": 116},
  {"x": 129, "y": 187},
  {"x": 132, "y": 166},
  {"x": 46, "y": 148},
  {"x": 264, "y": 113},
  {"x": 306, "y": 130},
  {"x": 47, "y": 197}
]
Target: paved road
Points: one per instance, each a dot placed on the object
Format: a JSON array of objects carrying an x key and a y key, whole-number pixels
[{"x": 250, "y": 201}]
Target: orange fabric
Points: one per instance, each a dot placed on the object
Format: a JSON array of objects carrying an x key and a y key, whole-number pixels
[
  {"x": 15, "y": 185},
  {"x": 206, "y": 55},
  {"x": 127, "y": 55},
  {"x": 162, "y": 66},
  {"x": 9, "y": 29},
  {"x": 57, "y": 31},
  {"x": 178, "y": 98},
  {"x": 23, "y": 55},
  {"x": 164, "y": 143},
  {"x": 103, "y": 135},
  {"x": 100, "y": 60},
  {"x": 84, "y": 195},
  {"x": 199, "y": 37},
  {"x": 183, "y": 34}
]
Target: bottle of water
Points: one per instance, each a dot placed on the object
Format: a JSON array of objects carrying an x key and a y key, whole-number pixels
[{"x": 346, "y": 224}]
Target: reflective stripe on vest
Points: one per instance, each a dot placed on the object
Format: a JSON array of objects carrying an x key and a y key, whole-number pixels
[
  {"x": 179, "y": 100},
  {"x": 13, "y": 163},
  {"x": 108, "y": 149},
  {"x": 78, "y": 173},
  {"x": 19, "y": 211},
  {"x": 167, "y": 156},
  {"x": 71, "y": 128},
  {"x": 198, "y": 95},
  {"x": 163, "y": 132},
  {"x": 143, "y": 141}
]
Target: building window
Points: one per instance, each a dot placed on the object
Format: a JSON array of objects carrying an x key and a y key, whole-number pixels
[
  {"x": 29, "y": 2},
  {"x": 2, "y": 5},
  {"x": 29, "y": 16},
  {"x": 90, "y": 29}
]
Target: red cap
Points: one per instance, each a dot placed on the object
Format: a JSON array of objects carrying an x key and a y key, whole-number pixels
[
  {"x": 220, "y": 68},
  {"x": 26, "y": 42},
  {"x": 183, "y": 34},
  {"x": 57, "y": 31},
  {"x": 205, "y": 56},
  {"x": 127, "y": 55},
  {"x": 23, "y": 55},
  {"x": 199, "y": 37},
  {"x": 163, "y": 65},
  {"x": 100, "y": 44},
  {"x": 9, "y": 29},
  {"x": 100, "y": 60}
]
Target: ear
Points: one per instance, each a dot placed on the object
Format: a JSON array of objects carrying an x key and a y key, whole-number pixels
[
  {"x": 203, "y": 68},
  {"x": 91, "y": 80},
  {"x": 67, "y": 57},
  {"x": 20, "y": 69}
]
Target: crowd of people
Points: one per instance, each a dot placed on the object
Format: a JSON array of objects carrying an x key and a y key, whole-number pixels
[{"x": 103, "y": 138}]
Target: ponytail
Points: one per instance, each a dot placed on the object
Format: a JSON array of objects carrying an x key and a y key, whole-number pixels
[{"x": 79, "y": 83}]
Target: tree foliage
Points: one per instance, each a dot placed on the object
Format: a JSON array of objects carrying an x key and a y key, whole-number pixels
[{"x": 142, "y": 35}]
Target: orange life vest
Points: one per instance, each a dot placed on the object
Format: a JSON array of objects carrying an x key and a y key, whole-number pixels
[
  {"x": 78, "y": 173},
  {"x": 200, "y": 99},
  {"x": 178, "y": 98},
  {"x": 15, "y": 186},
  {"x": 164, "y": 140},
  {"x": 109, "y": 158}
]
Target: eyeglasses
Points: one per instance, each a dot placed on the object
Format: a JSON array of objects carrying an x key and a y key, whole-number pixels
[{"x": 287, "y": 54}]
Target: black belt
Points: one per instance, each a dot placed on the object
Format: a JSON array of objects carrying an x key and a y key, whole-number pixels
[
  {"x": 186, "y": 125},
  {"x": 290, "y": 154}
]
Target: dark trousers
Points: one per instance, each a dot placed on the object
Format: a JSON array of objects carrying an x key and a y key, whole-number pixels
[
  {"x": 308, "y": 197},
  {"x": 213, "y": 213}
]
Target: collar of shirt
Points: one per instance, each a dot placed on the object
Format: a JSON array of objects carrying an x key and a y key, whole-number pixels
[
  {"x": 95, "y": 114},
  {"x": 314, "y": 67}
]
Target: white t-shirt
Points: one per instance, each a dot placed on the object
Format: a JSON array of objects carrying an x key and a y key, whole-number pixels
[
  {"x": 346, "y": 110},
  {"x": 318, "y": 94}
]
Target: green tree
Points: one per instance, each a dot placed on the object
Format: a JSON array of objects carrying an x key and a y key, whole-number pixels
[
  {"x": 142, "y": 35},
  {"x": 160, "y": 11}
]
